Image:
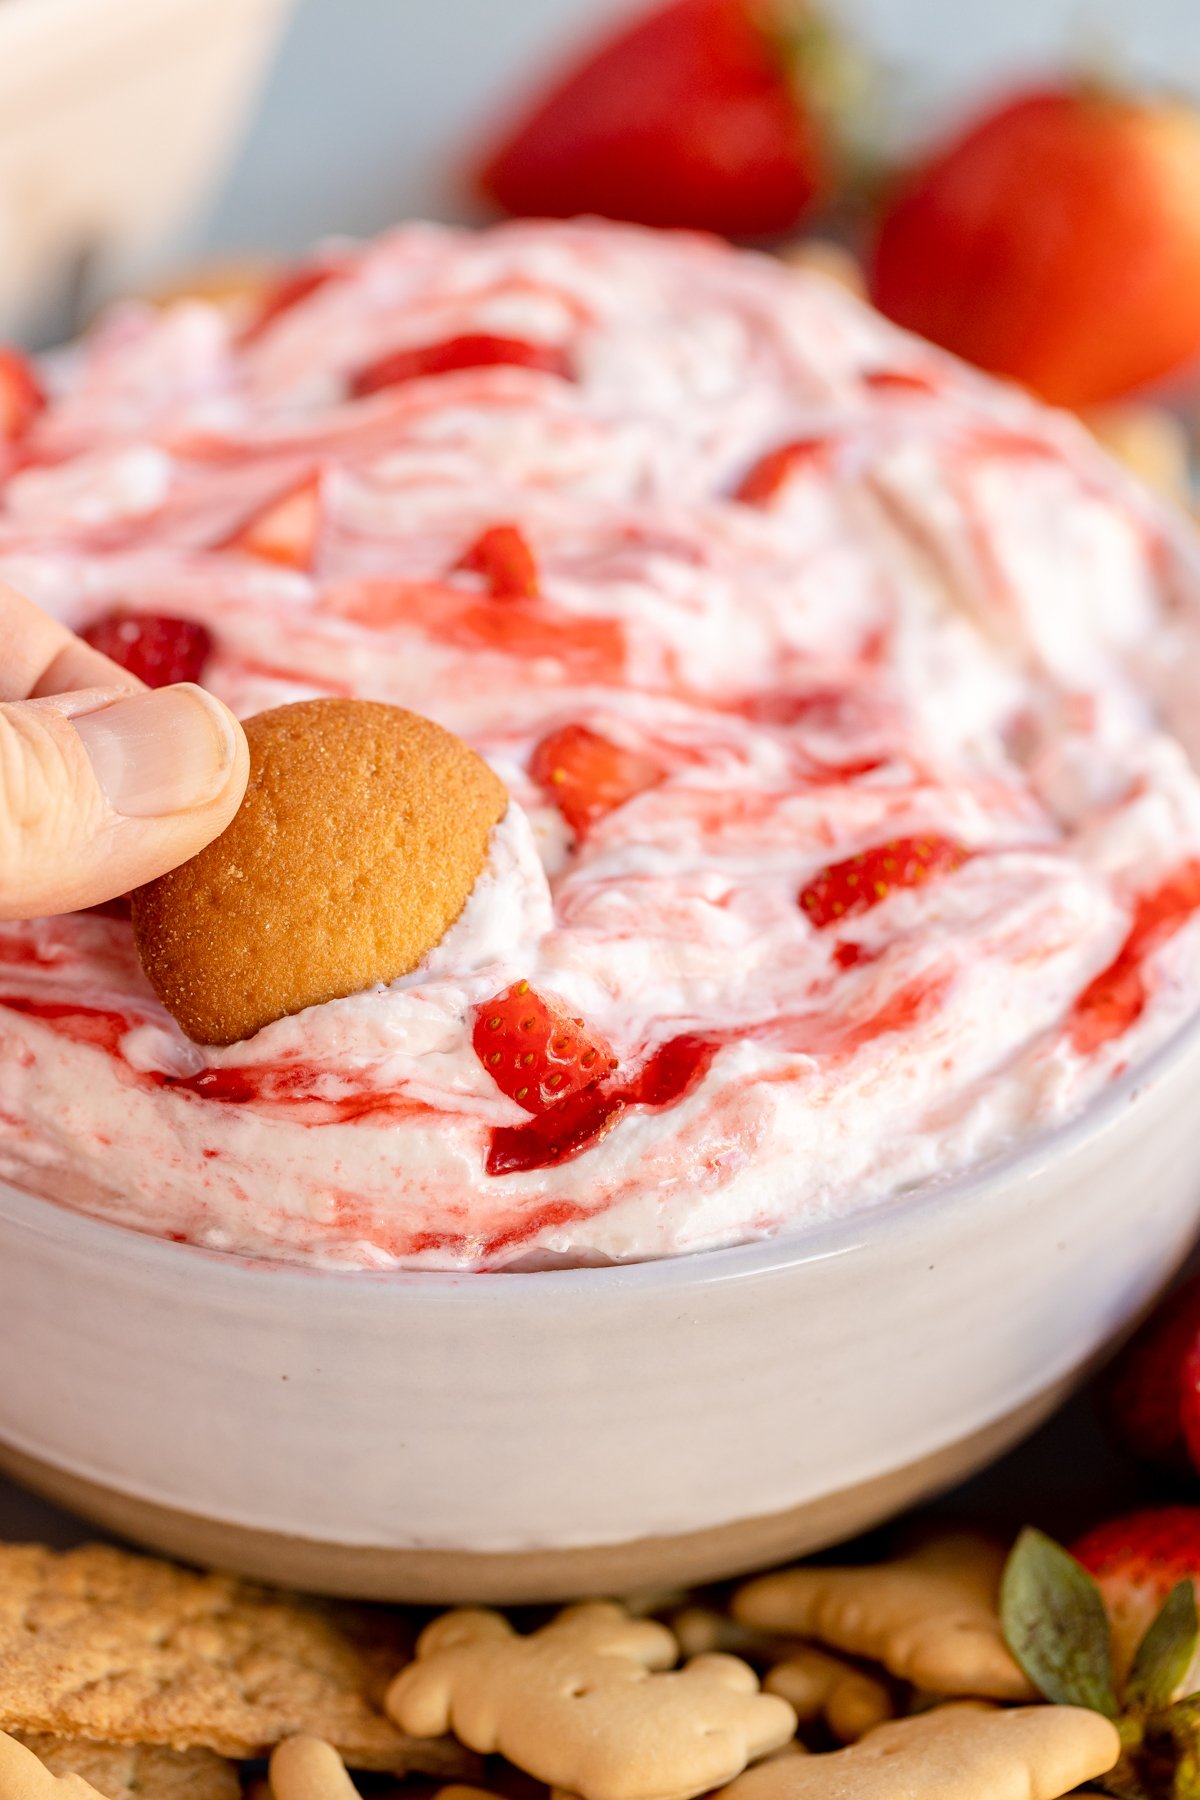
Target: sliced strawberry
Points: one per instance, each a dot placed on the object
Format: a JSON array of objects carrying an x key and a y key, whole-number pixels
[
  {"x": 285, "y": 531},
  {"x": 156, "y": 647},
  {"x": 535, "y": 1051},
  {"x": 772, "y": 472},
  {"x": 292, "y": 288},
  {"x": 21, "y": 395},
  {"x": 693, "y": 114},
  {"x": 862, "y": 881},
  {"x": 590, "y": 776},
  {"x": 502, "y": 555},
  {"x": 1147, "y": 1392},
  {"x": 477, "y": 350}
]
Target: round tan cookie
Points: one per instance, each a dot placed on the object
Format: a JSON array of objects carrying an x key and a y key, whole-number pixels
[{"x": 363, "y": 831}]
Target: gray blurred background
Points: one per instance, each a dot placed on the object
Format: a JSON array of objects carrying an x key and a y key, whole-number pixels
[{"x": 370, "y": 103}]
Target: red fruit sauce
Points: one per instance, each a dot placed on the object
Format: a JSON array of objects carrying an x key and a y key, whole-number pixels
[
  {"x": 474, "y": 351},
  {"x": 772, "y": 472},
  {"x": 1117, "y": 997},
  {"x": 576, "y": 1124}
]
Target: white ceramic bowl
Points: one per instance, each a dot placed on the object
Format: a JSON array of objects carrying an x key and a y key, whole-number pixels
[{"x": 504, "y": 1437}]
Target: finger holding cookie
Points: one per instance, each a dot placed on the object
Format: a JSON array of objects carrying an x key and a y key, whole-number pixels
[{"x": 104, "y": 783}]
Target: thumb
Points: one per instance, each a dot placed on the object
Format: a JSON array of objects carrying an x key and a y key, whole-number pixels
[{"x": 102, "y": 790}]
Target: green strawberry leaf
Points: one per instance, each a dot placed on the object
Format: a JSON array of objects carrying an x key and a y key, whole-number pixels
[
  {"x": 1165, "y": 1653},
  {"x": 1056, "y": 1626}
]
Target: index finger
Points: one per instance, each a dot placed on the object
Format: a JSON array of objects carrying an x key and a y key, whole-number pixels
[{"x": 38, "y": 656}]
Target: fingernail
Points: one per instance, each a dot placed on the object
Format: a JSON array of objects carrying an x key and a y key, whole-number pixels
[{"x": 167, "y": 751}]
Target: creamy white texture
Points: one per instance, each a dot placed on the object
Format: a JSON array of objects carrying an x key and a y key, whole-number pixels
[{"x": 949, "y": 617}]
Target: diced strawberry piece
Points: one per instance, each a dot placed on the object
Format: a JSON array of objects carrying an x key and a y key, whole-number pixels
[
  {"x": 156, "y": 647},
  {"x": 535, "y": 1051},
  {"x": 285, "y": 531},
  {"x": 590, "y": 776},
  {"x": 291, "y": 289},
  {"x": 476, "y": 350},
  {"x": 502, "y": 555},
  {"x": 861, "y": 882},
  {"x": 21, "y": 395},
  {"x": 772, "y": 472}
]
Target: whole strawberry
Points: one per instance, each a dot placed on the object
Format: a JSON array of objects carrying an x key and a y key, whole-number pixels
[
  {"x": 1057, "y": 241},
  {"x": 1114, "y": 1627},
  {"x": 1136, "y": 1561},
  {"x": 696, "y": 114},
  {"x": 1147, "y": 1392}
]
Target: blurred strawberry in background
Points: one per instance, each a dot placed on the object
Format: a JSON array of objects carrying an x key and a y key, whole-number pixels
[
  {"x": 701, "y": 113},
  {"x": 1146, "y": 1393},
  {"x": 1057, "y": 241}
]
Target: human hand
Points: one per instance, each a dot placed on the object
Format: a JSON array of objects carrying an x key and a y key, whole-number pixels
[{"x": 104, "y": 784}]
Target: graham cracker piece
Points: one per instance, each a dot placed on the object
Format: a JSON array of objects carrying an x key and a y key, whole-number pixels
[
  {"x": 103, "y": 1644},
  {"x": 137, "y": 1771}
]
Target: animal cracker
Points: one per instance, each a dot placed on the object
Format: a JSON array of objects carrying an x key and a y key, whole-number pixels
[
  {"x": 820, "y": 1686},
  {"x": 584, "y": 1704},
  {"x": 959, "y": 1752},
  {"x": 930, "y": 1617}
]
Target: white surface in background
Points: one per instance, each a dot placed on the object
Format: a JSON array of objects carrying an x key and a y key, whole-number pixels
[{"x": 373, "y": 101}]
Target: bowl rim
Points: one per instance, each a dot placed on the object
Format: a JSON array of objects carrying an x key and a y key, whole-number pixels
[{"x": 897, "y": 1216}]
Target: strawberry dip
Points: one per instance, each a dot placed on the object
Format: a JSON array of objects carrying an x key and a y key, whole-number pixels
[{"x": 845, "y": 699}]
